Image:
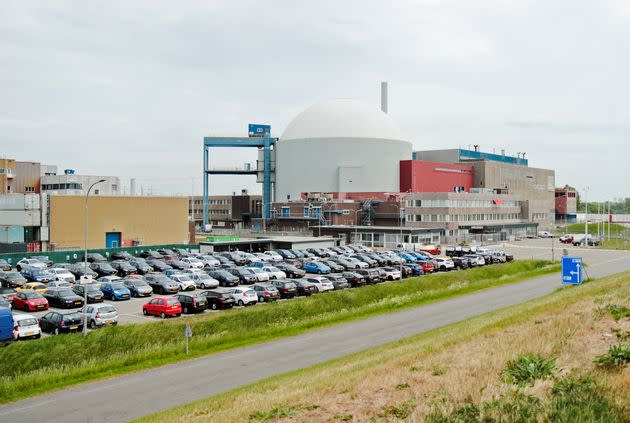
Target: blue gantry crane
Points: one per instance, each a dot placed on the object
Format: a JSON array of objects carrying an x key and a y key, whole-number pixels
[{"x": 259, "y": 137}]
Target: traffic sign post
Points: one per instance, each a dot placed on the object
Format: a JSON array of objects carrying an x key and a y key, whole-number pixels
[
  {"x": 572, "y": 270},
  {"x": 187, "y": 334}
]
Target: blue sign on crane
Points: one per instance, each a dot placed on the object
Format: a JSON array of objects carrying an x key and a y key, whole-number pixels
[
  {"x": 572, "y": 270},
  {"x": 256, "y": 130}
]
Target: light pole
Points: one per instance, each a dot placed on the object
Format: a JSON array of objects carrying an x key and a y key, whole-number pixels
[
  {"x": 356, "y": 233},
  {"x": 585, "y": 242},
  {"x": 85, "y": 253}
]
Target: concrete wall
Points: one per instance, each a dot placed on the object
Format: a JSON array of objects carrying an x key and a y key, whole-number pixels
[{"x": 151, "y": 220}]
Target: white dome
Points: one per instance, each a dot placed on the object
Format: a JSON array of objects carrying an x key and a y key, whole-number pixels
[{"x": 342, "y": 119}]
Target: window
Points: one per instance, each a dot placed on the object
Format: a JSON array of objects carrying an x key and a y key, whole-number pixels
[
  {"x": 286, "y": 211},
  {"x": 305, "y": 211},
  {"x": 114, "y": 187},
  {"x": 317, "y": 211},
  {"x": 96, "y": 192}
]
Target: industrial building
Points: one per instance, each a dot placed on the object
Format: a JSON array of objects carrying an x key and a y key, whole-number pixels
[
  {"x": 71, "y": 183},
  {"x": 226, "y": 211},
  {"x": 566, "y": 205}
]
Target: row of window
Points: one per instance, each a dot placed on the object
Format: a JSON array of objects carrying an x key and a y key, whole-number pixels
[
  {"x": 221, "y": 202},
  {"x": 539, "y": 216},
  {"x": 29, "y": 189},
  {"x": 476, "y": 217},
  {"x": 307, "y": 211},
  {"x": 463, "y": 203},
  {"x": 71, "y": 185}
]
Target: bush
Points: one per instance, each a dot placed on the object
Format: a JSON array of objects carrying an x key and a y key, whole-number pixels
[
  {"x": 617, "y": 356},
  {"x": 401, "y": 411},
  {"x": 616, "y": 311},
  {"x": 528, "y": 368}
]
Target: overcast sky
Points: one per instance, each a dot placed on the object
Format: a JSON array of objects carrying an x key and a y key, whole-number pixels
[{"x": 130, "y": 88}]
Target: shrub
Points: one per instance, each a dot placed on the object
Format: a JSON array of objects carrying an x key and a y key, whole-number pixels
[
  {"x": 617, "y": 356},
  {"x": 528, "y": 368},
  {"x": 616, "y": 311},
  {"x": 273, "y": 414},
  {"x": 402, "y": 386},
  {"x": 401, "y": 411}
]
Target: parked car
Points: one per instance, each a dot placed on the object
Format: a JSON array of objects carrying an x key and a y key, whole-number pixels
[
  {"x": 167, "y": 252},
  {"x": 122, "y": 255},
  {"x": 123, "y": 268},
  {"x": 370, "y": 275},
  {"x": 103, "y": 269},
  {"x": 59, "y": 284},
  {"x": 150, "y": 254},
  {"x": 138, "y": 287},
  {"x": 244, "y": 275},
  {"x": 545, "y": 234},
  {"x": 225, "y": 278},
  {"x": 193, "y": 263},
  {"x": 355, "y": 279},
  {"x": 297, "y": 253},
  {"x": 334, "y": 267},
  {"x": 316, "y": 267},
  {"x": 382, "y": 261},
  {"x": 78, "y": 270},
  {"x": 444, "y": 264},
  {"x": 273, "y": 256},
  {"x": 204, "y": 281},
  {"x": 12, "y": 279},
  {"x": 142, "y": 267},
  {"x": 5, "y": 266},
  {"x": 286, "y": 288},
  {"x": 6, "y": 325},
  {"x": 321, "y": 283},
  {"x": 265, "y": 292},
  {"x": 116, "y": 291},
  {"x": 274, "y": 272},
  {"x": 219, "y": 298},
  {"x": 26, "y": 326},
  {"x": 339, "y": 282},
  {"x": 6, "y": 304},
  {"x": 96, "y": 258},
  {"x": 29, "y": 262},
  {"x": 63, "y": 298},
  {"x": 365, "y": 259},
  {"x": 261, "y": 275},
  {"x": 184, "y": 281},
  {"x": 244, "y": 295},
  {"x": 235, "y": 257},
  {"x": 208, "y": 260},
  {"x": 7, "y": 293},
  {"x": 94, "y": 294},
  {"x": 477, "y": 260},
  {"x": 37, "y": 274},
  {"x": 359, "y": 264},
  {"x": 163, "y": 307},
  {"x": 287, "y": 254},
  {"x": 161, "y": 284},
  {"x": 224, "y": 261},
  {"x": 56, "y": 322},
  {"x": 113, "y": 278},
  {"x": 192, "y": 303},
  {"x": 392, "y": 273},
  {"x": 290, "y": 270},
  {"x": 99, "y": 315},
  {"x": 33, "y": 287},
  {"x": 62, "y": 274},
  {"x": 305, "y": 288},
  {"x": 30, "y": 301},
  {"x": 176, "y": 263},
  {"x": 566, "y": 239},
  {"x": 158, "y": 265}
]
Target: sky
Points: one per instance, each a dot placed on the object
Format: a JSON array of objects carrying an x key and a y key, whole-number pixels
[{"x": 130, "y": 88}]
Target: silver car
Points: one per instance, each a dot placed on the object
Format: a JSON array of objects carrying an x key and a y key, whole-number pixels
[
  {"x": 204, "y": 281},
  {"x": 99, "y": 315}
]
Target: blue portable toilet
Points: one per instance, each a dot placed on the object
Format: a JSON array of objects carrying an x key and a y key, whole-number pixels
[{"x": 6, "y": 325}]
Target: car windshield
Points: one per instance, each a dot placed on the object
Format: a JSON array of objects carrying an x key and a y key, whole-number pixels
[
  {"x": 203, "y": 276},
  {"x": 117, "y": 285},
  {"x": 106, "y": 266},
  {"x": 13, "y": 275},
  {"x": 184, "y": 278},
  {"x": 27, "y": 322},
  {"x": 162, "y": 278},
  {"x": 38, "y": 272},
  {"x": 137, "y": 283},
  {"x": 71, "y": 316},
  {"x": 91, "y": 288},
  {"x": 66, "y": 293},
  {"x": 32, "y": 295},
  {"x": 106, "y": 309},
  {"x": 172, "y": 301}
]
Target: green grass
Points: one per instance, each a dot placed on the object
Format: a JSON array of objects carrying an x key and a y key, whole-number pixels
[
  {"x": 30, "y": 368},
  {"x": 617, "y": 356},
  {"x": 528, "y": 368},
  {"x": 616, "y": 311}
]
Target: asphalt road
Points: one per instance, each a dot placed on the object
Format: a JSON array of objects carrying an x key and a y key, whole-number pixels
[{"x": 149, "y": 391}]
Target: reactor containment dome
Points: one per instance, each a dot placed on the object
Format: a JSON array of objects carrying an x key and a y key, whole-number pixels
[{"x": 340, "y": 146}]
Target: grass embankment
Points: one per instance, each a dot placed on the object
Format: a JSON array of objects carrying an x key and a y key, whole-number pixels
[
  {"x": 619, "y": 234},
  {"x": 563, "y": 357},
  {"x": 29, "y": 368}
]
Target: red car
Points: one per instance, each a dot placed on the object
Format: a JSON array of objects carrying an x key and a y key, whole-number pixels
[
  {"x": 30, "y": 301},
  {"x": 428, "y": 266},
  {"x": 566, "y": 239},
  {"x": 163, "y": 306}
]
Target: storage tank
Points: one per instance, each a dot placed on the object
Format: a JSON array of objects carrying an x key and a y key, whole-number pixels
[{"x": 340, "y": 146}]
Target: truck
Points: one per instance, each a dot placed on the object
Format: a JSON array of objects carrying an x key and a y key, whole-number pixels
[{"x": 6, "y": 325}]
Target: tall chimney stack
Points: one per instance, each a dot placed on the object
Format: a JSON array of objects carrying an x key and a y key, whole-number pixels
[
  {"x": 384, "y": 96},
  {"x": 132, "y": 187}
]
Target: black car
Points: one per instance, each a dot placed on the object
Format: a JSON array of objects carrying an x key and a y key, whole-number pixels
[
  {"x": 370, "y": 275},
  {"x": 338, "y": 281},
  {"x": 224, "y": 261},
  {"x": 287, "y": 289},
  {"x": 122, "y": 255},
  {"x": 219, "y": 298},
  {"x": 286, "y": 254},
  {"x": 63, "y": 298},
  {"x": 124, "y": 268},
  {"x": 94, "y": 294},
  {"x": 176, "y": 263},
  {"x": 266, "y": 292},
  {"x": 4, "y": 265},
  {"x": 319, "y": 252},
  {"x": 366, "y": 259},
  {"x": 103, "y": 269},
  {"x": 382, "y": 261},
  {"x": 224, "y": 277},
  {"x": 150, "y": 254},
  {"x": 142, "y": 267},
  {"x": 44, "y": 259},
  {"x": 78, "y": 270},
  {"x": 290, "y": 270},
  {"x": 12, "y": 279},
  {"x": 138, "y": 287},
  {"x": 244, "y": 276},
  {"x": 354, "y": 279},
  {"x": 305, "y": 288},
  {"x": 334, "y": 267},
  {"x": 56, "y": 322},
  {"x": 158, "y": 265},
  {"x": 161, "y": 283},
  {"x": 193, "y": 303},
  {"x": 182, "y": 252},
  {"x": 382, "y": 275},
  {"x": 234, "y": 257},
  {"x": 461, "y": 262},
  {"x": 95, "y": 258},
  {"x": 166, "y": 252},
  {"x": 297, "y": 253}
]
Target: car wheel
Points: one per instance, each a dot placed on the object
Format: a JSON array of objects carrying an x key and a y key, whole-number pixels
[
  {"x": 214, "y": 306},
  {"x": 262, "y": 299},
  {"x": 92, "y": 324},
  {"x": 134, "y": 294},
  {"x": 56, "y": 331},
  {"x": 204, "y": 286},
  {"x": 241, "y": 303},
  {"x": 145, "y": 312},
  {"x": 162, "y": 315},
  {"x": 185, "y": 310},
  {"x": 39, "y": 335}
]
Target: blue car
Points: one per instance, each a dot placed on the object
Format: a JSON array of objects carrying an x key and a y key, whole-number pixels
[
  {"x": 35, "y": 274},
  {"x": 316, "y": 267},
  {"x": 115, "y": 291},
  {"x": 407, "y": 257}
]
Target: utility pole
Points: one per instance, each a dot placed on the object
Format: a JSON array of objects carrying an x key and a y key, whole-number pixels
[{"x": 585, "y": 242}]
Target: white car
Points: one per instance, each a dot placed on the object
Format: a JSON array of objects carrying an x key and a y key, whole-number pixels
[
  {"x": 444, "y": 264},
  {"x": 25, "y": 326},
  {"x": 193, "y": 262},
  {"x": 244, "y": 296},
  {"x": 392, "y": 257},
  {"x": 209, "y": 260},
  {"x": 59, "y": 284},
  {"x": 204, "y": 281},
  {"x": 251, "y": 258},
  {"x": 361, "y": 264},
  {"x": 26, "y": 262},
  {"x": 321, "y": 283},
  {"x": 273, "y": 256},
  {"x": 274, "y": 272},
  {"x": 191, "y": 272},
  {"x": 261, "y": 275},
  {"x": 104, "y": 279},
  {"x": 391, "y": 273},
  {"x": 478, "y": 260},
  {"x": 99, "y": 315},
  {"x": 184, "y": 281},
  {"x": 62, "y": 274},
  {"x": 545, "y": 234}
]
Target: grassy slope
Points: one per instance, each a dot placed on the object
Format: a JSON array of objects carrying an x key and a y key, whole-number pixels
[
  {"x": 56, "y": 362},
  {"x": 356, "y": 382}
]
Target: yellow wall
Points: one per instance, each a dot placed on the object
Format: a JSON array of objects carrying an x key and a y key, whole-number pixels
[{"x": 154, "y": 220}]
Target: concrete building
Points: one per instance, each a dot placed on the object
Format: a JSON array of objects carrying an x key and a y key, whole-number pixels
[
  {"x": 339, "y": 146},
  {"x": 28, "y": 176},
  {"x": 300, "y": 215},
  {"x": 7, "y": 175},
  {"x": 566, "y": 205},
  {"x": 226, "y": 211},
  {"x": 73, "y": 184}
]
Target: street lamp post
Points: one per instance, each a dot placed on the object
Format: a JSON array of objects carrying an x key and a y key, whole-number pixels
[
  {"x": 85, "y": 253},
  {"x": 585, "y": 242}
]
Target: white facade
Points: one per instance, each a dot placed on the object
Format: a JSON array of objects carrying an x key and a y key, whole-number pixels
[
  {"x": 76, "y": 184},
  {"x": 340, "y": 146}
]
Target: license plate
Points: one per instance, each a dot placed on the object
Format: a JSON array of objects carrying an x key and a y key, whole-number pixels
[
  {"x": 202, "y": 303},
  {"x": 98, "y": 298},
  {"x": 41, "y": 306},
  {"x": 109, "y": 321},
  {"x": 30, "y": 333},
  {"x": 77, "y": 302},
  {"x": 74, "y": 327},
  {"x": 125, "y": 296}
]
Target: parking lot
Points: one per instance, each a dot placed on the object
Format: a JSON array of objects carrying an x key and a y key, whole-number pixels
[{"x": 131, "y": 310}]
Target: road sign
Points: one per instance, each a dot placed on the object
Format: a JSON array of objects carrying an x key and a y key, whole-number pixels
[
  {"x": 187, "y": 334},
  {"x": 572, "y": 270}
]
